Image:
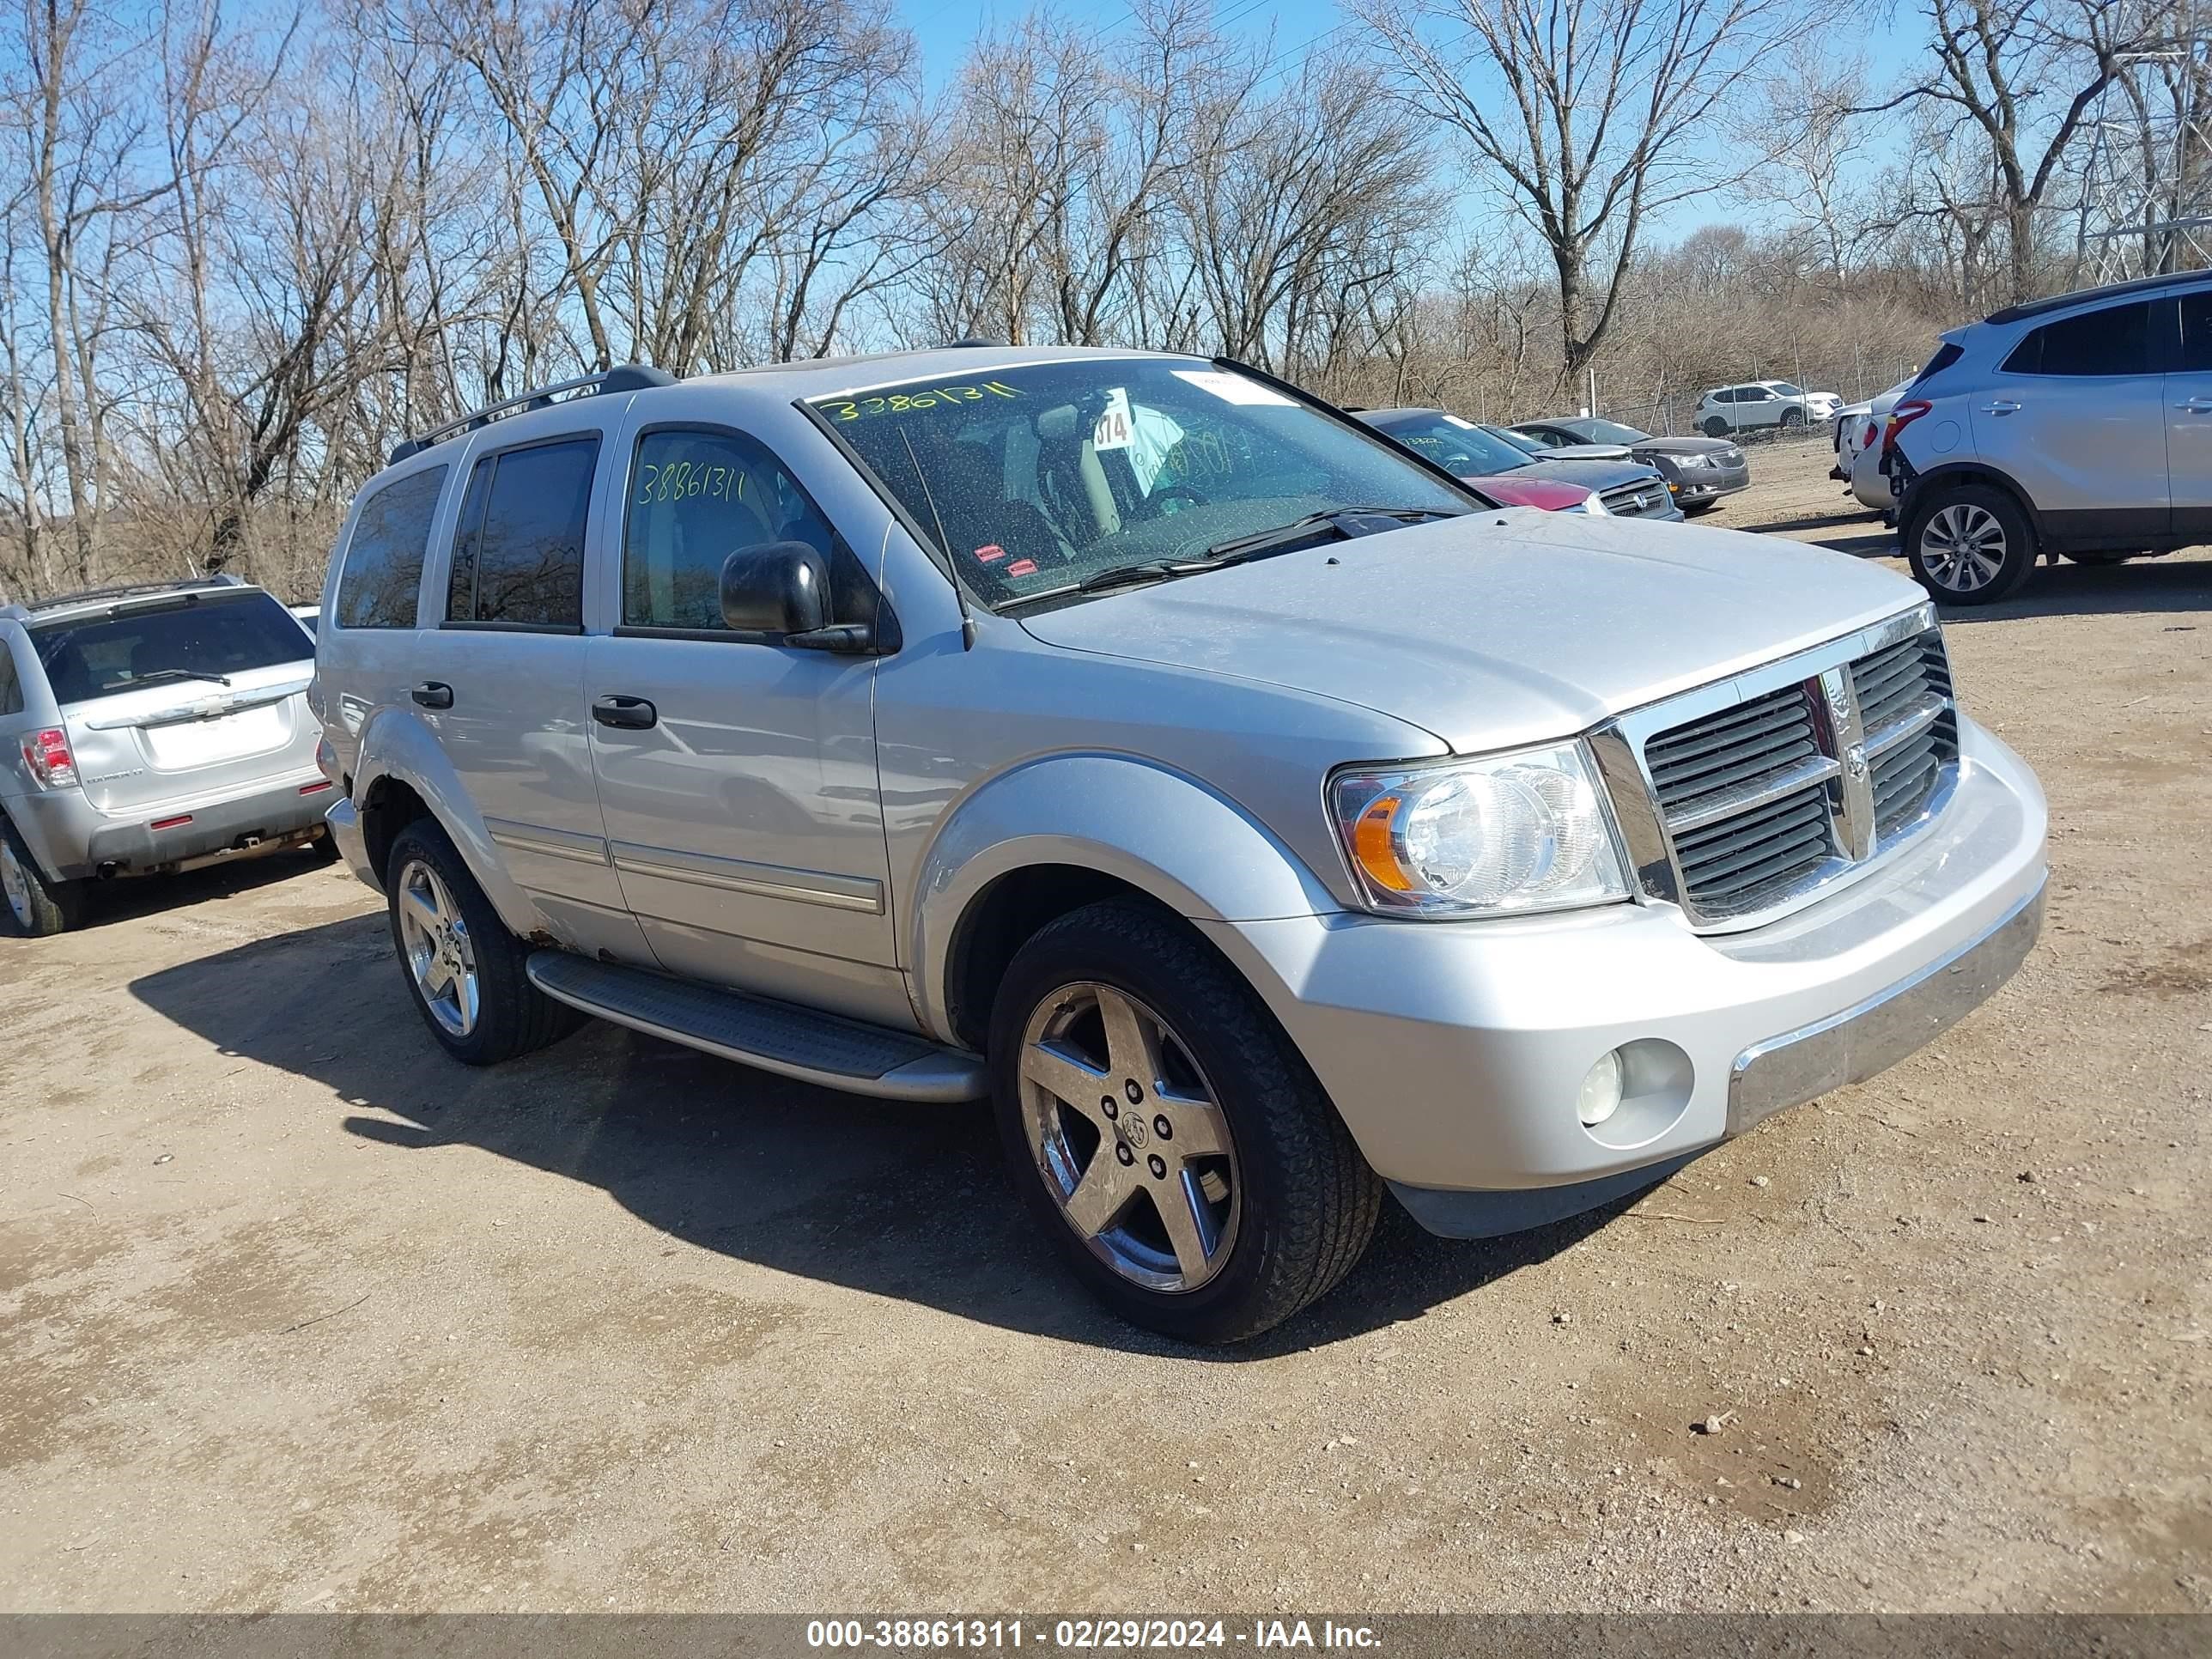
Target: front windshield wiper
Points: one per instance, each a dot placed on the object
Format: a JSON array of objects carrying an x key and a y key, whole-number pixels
[
  {"x": 1331, "y": 518},
  {"x": 173, "y": 674},
  {"x": 1146, "y": 570}
]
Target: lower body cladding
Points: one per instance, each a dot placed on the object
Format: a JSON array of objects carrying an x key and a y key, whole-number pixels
[
  {"x": 74, "y": 839},
  {"x": 1503, "y": 1074}
]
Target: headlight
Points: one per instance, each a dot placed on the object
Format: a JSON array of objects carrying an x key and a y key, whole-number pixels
[{"x": 1499, "y": 835}]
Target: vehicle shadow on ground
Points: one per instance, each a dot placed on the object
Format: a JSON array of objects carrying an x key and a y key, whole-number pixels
[
  {"x": 898, "y": 1201},
  {"x": 2151, "y": 586},
  {"x": 131, "y": 898}
]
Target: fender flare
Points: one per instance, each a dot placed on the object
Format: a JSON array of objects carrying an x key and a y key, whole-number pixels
[
  {"x": 395, "y": 743},
  {"x": 1162, "y": 831},
  {"x": 1974, "y": 471}
]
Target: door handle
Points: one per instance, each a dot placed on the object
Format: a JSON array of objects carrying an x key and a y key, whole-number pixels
[
  {"x": 2002, "y": 406},
  {"x": 2195, "y": 406},
  {"x": 434, "y": 693},
  {"x": 627, "y": 714}
]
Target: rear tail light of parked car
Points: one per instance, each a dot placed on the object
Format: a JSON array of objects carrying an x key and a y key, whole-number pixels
[
  {"x": 1900, "y": 417},
  {"x": 47, "y": 754}
]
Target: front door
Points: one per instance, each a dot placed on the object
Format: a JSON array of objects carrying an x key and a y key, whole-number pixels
[
  {"x": 738, "y": 775},
  {"x": 2073, "y": 415},
  {"x": 502, "y": 681},
  {"x": 2189, "y": 421}
]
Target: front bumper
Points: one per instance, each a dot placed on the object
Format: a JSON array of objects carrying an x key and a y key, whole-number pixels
[
  {"x": 1455, "y": 1051},
  {"x": 73, "y": 839},
  {"x": 1709, "y": 484}
]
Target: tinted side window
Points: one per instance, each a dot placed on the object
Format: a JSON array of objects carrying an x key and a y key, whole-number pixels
[
  {"x": 383, "y": 571},
  {"x": 695, "y": 497},
  {"x": 11, "y": 688},
  {"x": 2196, "y": 330},
  {"x": 524, "y": 561},
  {"x": 2113, "y": 341}
]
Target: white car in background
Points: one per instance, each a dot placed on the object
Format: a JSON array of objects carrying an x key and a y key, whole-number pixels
[
  {"x": 1755, "y": 404},
  {"x": 1858, "y": 449}
]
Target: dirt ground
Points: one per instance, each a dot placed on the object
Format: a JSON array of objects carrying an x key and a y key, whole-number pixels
[{"x": 295, "y": 1314}]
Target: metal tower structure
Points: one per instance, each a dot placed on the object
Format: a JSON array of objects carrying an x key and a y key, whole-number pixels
[{"x": 2146, "y": 201}]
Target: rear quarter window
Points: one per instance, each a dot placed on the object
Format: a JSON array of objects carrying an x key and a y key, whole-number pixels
[
  {"x": 2111, "y": 340},
  {"x": 11, "y": 683},
  {"x": 382, "y": 578},
  {"x": 196, "y": 640}
]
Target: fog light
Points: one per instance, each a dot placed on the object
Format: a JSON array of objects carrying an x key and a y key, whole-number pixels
[{"x": 1600, "y": 1092}]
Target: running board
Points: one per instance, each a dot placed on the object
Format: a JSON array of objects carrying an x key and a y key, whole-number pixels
[{"x": 775, "y": 1036}]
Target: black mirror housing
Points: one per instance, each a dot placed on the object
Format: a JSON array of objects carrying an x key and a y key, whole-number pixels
[{"x": 777, "y": 587}]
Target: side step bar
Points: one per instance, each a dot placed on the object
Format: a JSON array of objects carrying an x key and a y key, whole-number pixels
[{"x": 776, "y": 1036}]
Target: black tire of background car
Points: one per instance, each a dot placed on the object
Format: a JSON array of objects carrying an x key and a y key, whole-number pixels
[
  {"x": 1310, "y": 1202},
  {"x": 55, "y": 906},
  {"x": 1716, "y": 427},
  {"x": 2101, "y": 558},
  {"x": 2020, "y": 541},
  {"x": 1698, "y": 509},
  {"x": 513, "y": 1016},
  {"x": 1793, "y": 418}
]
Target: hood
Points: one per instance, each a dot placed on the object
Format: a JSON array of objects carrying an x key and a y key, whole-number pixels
[
  {"x": 1595, "y": 475},
  {"x": 1681, "y": 446},
  {"x": 1586, "y": 452},
  {"x": 1498, "y": 628}
]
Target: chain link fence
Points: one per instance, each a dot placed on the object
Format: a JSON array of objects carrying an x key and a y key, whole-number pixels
[{"x": 1678, "y": 411}]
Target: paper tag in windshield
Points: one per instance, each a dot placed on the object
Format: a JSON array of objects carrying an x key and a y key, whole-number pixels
[
  {"x": 1114, "y": 430},
  {"x": 1233, "y": 388}
]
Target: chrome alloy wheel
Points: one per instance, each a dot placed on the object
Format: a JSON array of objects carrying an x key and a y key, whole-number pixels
[
  {"x": 1962, "y": 547},
  {"x": 434, "y": 938},
  {"x": 1129, "y": 1138},
  {"x": 16, "y": 885}
]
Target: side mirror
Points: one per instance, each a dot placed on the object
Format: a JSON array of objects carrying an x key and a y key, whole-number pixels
[{"x": 778, "y": 587}]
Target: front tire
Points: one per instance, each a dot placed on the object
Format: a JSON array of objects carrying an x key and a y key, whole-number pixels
[
  {"x": 464, "y": 969},
  {"x": 1971, "y": 545},
  {"x": 38, "y": 907},
  {"x": 1699, "y": 509},
  {"x": 1166, "y": 1135},
  {"x": 1793, "y": 418}
]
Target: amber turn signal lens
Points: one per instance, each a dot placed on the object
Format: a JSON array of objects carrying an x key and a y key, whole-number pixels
[{"x": 1370, "y": 843}]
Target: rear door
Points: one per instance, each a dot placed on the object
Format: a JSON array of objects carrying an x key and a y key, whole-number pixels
[
  {"x": 2189, "y": 420},
  {"x": 2074, "y": 414},
  {"x": 180, "y": 697},
  {"x": 500, "y": 677}
]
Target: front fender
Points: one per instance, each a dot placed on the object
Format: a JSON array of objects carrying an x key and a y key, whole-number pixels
[
  {"x": 1163, "y": 832},
  {"x": 396, "y": 744}
]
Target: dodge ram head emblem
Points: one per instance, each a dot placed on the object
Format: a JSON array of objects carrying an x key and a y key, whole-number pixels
[
  {"x": 1134, "y": 1132},
  {"x": 1855, "y": 760}
]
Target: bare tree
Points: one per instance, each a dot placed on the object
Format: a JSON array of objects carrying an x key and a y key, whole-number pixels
[{"x": 1605, "y": 101}]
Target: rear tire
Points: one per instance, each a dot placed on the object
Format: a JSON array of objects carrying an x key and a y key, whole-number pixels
[
  {"x": 32, "y": 905},
  {"x": 1714, "y": 426},
  {"x": 1275, "y": 1202},
  {"x": 463, "y": 969},
  {"x": 1970, "y": 546}
]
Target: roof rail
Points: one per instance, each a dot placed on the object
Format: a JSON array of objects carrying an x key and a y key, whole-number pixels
[
  {"x": 623, "y": 377},
  {"x": 2151, "y": 284},
  {"x": 966, "y": 340}
]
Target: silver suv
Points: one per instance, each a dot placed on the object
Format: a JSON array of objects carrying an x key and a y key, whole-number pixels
[
  {"x": 148, "y": 730},
  {"x": 2079, "y": 427},
  {"x": 1262, "y": 818}
]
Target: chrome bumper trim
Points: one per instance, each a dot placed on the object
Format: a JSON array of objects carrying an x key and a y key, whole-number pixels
[{"x": 1873, "y": 1035}]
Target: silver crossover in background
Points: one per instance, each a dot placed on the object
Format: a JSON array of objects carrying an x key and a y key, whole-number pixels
[
  {"x": 1264, "y": 818},
  {"x": 148, "y": 730}
]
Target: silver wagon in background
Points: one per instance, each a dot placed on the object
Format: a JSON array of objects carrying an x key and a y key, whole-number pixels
[{"x": 145, "y": 731}]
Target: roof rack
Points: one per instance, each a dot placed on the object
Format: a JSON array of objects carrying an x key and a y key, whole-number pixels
[
  {"x": 623, "y": 377},
  {"x": 2151, "y": 284},
  {"x": 25, "y": 609}
]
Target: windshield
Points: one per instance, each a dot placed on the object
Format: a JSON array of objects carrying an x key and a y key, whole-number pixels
[
  {"x": 1459, "y": 445},
  {"x": 1611, "y": 432},
  {"x": 1042, "y": 475},
  {"x": 175, "y": 642}
]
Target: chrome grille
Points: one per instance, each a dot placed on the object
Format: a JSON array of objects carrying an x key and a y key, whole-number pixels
[
  {"x": 1634, "y": 500},
  {"x": 1760, "y": 791}
]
